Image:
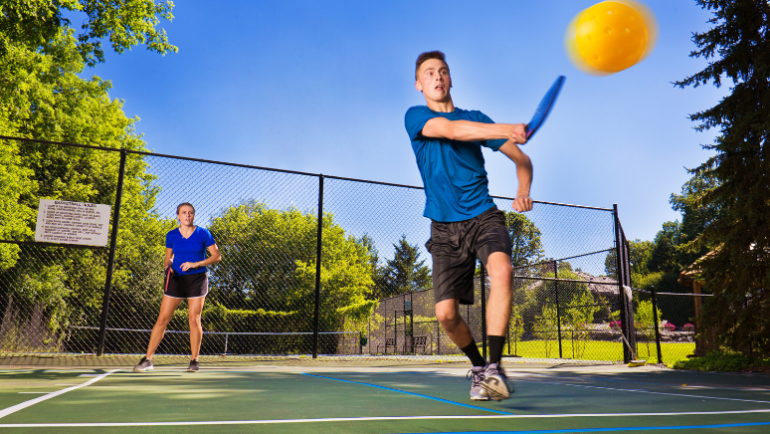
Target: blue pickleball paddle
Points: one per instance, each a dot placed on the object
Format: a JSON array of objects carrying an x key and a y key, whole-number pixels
[{"x": 545, "y": 107}]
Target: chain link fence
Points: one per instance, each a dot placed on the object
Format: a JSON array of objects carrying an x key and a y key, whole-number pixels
[{"x": 369, "y": 296}]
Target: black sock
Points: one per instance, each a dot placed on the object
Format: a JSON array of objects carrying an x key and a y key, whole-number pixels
[
  {"x": 496, "y": 344},
  {"x": 472, "y": 351}
]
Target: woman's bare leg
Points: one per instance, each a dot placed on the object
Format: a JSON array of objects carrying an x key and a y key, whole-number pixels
[
  {"x": 167, "y": 308},
  {"x": 195, "y": 306}
]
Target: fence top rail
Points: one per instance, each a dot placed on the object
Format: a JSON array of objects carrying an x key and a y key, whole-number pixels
[
  {"x": 552, "y": 279},
  {"x": 248, "y": 166},
  {"x": 684, "y": 294},
  {"x": 548, "y": 261},
  {"x": 558, "y": 204}
]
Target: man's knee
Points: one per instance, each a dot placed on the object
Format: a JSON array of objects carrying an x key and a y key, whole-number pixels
[
  {"x": 447, "y": 315},
  {"x": 499, "y": 270}
]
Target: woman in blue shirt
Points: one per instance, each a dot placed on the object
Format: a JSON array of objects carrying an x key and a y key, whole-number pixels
[{"x": 186, "y": 279}]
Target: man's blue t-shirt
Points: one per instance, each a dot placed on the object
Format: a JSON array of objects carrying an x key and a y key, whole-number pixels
[
  {"x": 192, "y": 249},
  {"x": 452, "y": 171}
]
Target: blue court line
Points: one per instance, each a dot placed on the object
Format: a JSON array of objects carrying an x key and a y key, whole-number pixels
[
  {"x": 445, "y": 401},
  {"x": 630, "y": 428}
]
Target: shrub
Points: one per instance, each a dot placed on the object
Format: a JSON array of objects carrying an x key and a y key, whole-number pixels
[
  {"x": 615, "y": 325},
  {"x": 665, "y": 325},
  {"x": 689, "y": 327}
]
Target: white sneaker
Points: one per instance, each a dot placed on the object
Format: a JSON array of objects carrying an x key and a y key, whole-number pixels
[{"x": 496, "y": 383}]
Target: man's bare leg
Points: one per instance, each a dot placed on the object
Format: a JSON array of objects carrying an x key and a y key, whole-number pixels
[
  {"x": 499, "y": 302},
  {"x": 448, "y": 314},
  {"x": 498, "y": 313}
]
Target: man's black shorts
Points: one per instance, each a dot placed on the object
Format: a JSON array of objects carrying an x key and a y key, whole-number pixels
[
  {"x": 455, "y": 247},
  {"x": 186, "y": 285}
]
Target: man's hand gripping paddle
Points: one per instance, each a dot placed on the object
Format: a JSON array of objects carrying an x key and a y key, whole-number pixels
[{"x": 545, "y": 107}]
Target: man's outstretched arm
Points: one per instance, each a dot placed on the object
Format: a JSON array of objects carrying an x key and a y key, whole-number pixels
[
  {"x": 523, "y": 202},
  {"x": 469, "y": 131}
]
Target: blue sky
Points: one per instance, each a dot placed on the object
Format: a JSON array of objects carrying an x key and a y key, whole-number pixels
[{"x": 322, "y": 87}]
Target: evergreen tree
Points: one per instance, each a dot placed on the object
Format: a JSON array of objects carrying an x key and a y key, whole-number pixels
[
  {"x": 696, "y": 216},
  {"x": 405, "y": 272},
  {"x": 738, "y": 274},
  {"x": 663, "y": 256}
]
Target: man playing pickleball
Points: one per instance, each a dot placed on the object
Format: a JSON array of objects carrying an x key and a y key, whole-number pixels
[{"x": 466, "y": 224}]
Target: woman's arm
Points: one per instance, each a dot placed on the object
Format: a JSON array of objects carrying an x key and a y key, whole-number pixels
[
  {"x": 169, "y": 258},
  {"x": 213, "y": 259}
]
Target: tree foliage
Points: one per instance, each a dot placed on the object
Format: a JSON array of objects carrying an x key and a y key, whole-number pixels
[
  {"x": 271, "y": 265},
  {"x": 526, "y": 246},
  {"x": 737, "y": 48},
  {"x": 43, "y": 96},
  {"x": 38, "y": 46},
  {"x": 406, "y": 272}
]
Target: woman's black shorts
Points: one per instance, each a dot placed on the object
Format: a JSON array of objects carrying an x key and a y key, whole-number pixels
[
  {"x": 455, "y": 247},
  {"x": 186, "y": 285}
]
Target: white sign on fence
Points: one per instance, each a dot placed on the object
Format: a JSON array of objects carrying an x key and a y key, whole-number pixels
[{"x": 62, "y": 221}]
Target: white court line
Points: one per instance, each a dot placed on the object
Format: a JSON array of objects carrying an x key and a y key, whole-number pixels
[
  {"x": 621, "y": 390},
  {"x": 25, "y": 404},
  {"x": 654, "y": 393},
  {"x": 640, "y": 382},
  {"x": 365, "y": 419}
]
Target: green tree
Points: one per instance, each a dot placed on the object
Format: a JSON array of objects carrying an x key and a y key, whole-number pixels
[
  {"x": 696, "y": 216},
  {"x": 405, "y": 272},
  {"x": 271, "y": 268},
  {"x": 42, "y": 96},
  {"x": 545, "y": 327},
  {"x": 526, "y": 246},
  {"x": 33, "y": 32},
  {"x": 738, "y": 274},
  {"x": 663, "y": 256},
  {"x": 15, "y": 215},
  {"x": 516, "y": 327},
  {"x": 639, "y": 255},
  {"x": 578, "y": 316}
]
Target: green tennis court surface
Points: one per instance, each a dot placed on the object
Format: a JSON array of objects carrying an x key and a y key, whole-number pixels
[{"x": 312, "y": 399}]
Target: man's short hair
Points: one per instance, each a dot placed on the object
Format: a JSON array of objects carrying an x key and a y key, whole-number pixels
[{"x": 422, "y": 58}]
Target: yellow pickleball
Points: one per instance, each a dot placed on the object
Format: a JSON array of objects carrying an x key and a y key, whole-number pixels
[{"x": 611, "y": 36}]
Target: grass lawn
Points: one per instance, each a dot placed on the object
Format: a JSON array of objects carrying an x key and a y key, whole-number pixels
[{"x": 600, "y": 350}]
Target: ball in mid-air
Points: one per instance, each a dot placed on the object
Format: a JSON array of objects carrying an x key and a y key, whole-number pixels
[{"x": 611, "y": 36}]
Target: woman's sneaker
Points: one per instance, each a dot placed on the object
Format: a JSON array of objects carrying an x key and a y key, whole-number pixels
[
  {"x": 194, "y": 366},
  {"x": 495, "y": 382},
  {"x": 476, "y": 375},
  {"x": 144, "y": 365}
]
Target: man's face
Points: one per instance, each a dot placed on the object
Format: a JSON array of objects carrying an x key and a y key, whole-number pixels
[{"x": 433, "y": 80}]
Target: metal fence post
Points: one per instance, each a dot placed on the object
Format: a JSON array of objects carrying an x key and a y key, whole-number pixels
[
  {"x": 655, "y": 323},
  {"x": 319, "y": 238},
  {"x": 111, "y": 260},
  {"x": 558, "y": 312},
  {"x": 624, "y": 328},
  {"x": 483, "y": 278}
]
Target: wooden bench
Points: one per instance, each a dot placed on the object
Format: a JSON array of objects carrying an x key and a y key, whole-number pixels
[
  {"x": 420, "y": 342},
  {"x": 389, "y": 342}
]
